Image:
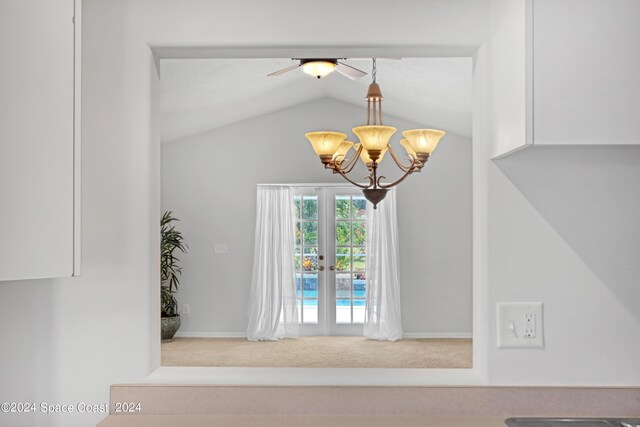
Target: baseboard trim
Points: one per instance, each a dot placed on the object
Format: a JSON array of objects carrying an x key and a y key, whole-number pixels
[
  {"x": 211, "y": 334},
  {"x": 437, "y": 335},
  {"x": 432, "y": 335}
]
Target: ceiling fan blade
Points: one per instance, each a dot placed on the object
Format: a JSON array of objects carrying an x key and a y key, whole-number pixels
[
  {"x": 369, "y": 58},
  {"x": 284, "y": 70},
  {"x": 349, "y": 71}
]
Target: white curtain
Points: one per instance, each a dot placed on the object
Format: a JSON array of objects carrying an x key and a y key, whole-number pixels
[
  {"x": 382, "y": 316},
  {"x": 273, "y": 312}
]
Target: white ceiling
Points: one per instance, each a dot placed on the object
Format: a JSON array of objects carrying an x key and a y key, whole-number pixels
[{"x": 203, "y": 94}]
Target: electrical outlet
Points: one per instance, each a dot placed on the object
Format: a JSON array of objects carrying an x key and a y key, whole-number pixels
[
  {"x": 529, "y": 319},
  {"x": 529, "y": 332},
  {"x": 529, "y": 325},
  {"x": 185, "y": 309},
  {"x": 520, "y": 325}
]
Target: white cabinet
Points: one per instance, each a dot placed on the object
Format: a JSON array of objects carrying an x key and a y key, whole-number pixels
[
  {"x": 586, "y": 75},
  {"x": 39, "y": 139},
  {"x": 565, "y": 72}
]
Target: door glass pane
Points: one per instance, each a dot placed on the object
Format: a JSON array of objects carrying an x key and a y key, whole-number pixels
[
  {"x": 343, "y": 259},
  {"x": 343, "y": 311},
  {"x": 359, "y": 259},
  {"x": 298, "y": 234},
  {"x": 297, "y": 201},
  {"x": 359, "y": 233},
  {"x": 343, "y": 233},
  {"x": 310, "y": 207},
  {"x": 310, "y": 233},
  {"x": 359, "y": 207},
  {"x": 310, "y": 311},
  {"x": 298, "y": 286},
  {"x": 297, "y": 258},
  {"x": 359, "y": 285},
  {"x": 310, "y": 298},
  {"x": 310, "y": 285},
  {"x": 358, "y": 311},
  {"x": 310, "y": 260},
  {"x": 343, "y": 207},
  {"x": 343, "y": 285}
]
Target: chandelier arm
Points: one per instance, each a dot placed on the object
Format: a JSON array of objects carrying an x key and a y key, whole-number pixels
[
  {"x": 351, "y": 163},
  {"x": 344, "y": 175},
  {"x": 349, "y": 167},
  {"x": 393, "y": 184},
  {"x": 401, "y": 165}
]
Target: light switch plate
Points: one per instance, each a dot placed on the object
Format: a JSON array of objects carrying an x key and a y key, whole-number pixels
[
  {"x": 220, "y": 248},
  {"x": 520, "y": 325}
]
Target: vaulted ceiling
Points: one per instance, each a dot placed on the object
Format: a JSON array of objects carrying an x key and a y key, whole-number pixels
[{"x": 203, "y": 94}]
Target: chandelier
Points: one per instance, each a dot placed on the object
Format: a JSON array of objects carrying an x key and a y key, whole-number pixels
[{"x": 332, "y": 148}]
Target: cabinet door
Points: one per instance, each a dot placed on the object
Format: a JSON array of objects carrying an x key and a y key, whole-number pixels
[
  {"x": 37, "y": 153},
  {"x": 586, "y": 57}
]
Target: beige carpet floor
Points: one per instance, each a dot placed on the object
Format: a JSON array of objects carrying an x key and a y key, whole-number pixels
[{"x": 318, "y": 352}]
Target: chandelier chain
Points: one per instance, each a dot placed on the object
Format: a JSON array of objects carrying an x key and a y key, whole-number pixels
[{"x": 374, "y": 70}]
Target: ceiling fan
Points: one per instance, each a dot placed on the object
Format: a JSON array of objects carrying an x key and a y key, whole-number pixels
[{"x": 320, "y": 67}]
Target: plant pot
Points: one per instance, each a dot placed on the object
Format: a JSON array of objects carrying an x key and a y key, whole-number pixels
[{"x": 169, "y": 327}]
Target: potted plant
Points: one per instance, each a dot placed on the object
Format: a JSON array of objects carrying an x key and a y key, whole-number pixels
[{"x": 170, "y": 270}]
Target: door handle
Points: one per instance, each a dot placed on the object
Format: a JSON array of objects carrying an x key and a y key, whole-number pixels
[
  {"x": 332, "y": 268},
  {"x": 321, "y": 268}
]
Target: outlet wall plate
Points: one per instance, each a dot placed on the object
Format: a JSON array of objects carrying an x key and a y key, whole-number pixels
[{"x": 520, "y": 325}]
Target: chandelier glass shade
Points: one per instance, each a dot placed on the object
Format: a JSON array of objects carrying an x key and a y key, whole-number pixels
[
  {"x": 364, "y": 155},
  {"x": 374, "y": 138},
  {"x": 423, "y": 140},
  {"x": 332, "y": 148},
  {"x": 326, "y": 144},
  {"x": 343, "y": 149}
]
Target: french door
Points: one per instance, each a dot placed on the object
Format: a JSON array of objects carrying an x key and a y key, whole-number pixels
[{"x": 330, "y": 259}]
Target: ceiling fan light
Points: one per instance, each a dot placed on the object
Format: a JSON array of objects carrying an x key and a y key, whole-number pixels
[
  {"x": 423, "y": 140},
  {"x": 324, "y": 143},
  {"x": 374, "y": 138},
  {"x": 318, "y": 68}
]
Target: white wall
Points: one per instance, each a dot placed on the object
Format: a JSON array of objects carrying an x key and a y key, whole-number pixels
[
  {"x": 215, "y": 202},
  {"x": 562, "y": 221},
  {"x": 101, "y": 322},
  {"x": 564, "y": 230},
  {"x": 27, "y": 347}
]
